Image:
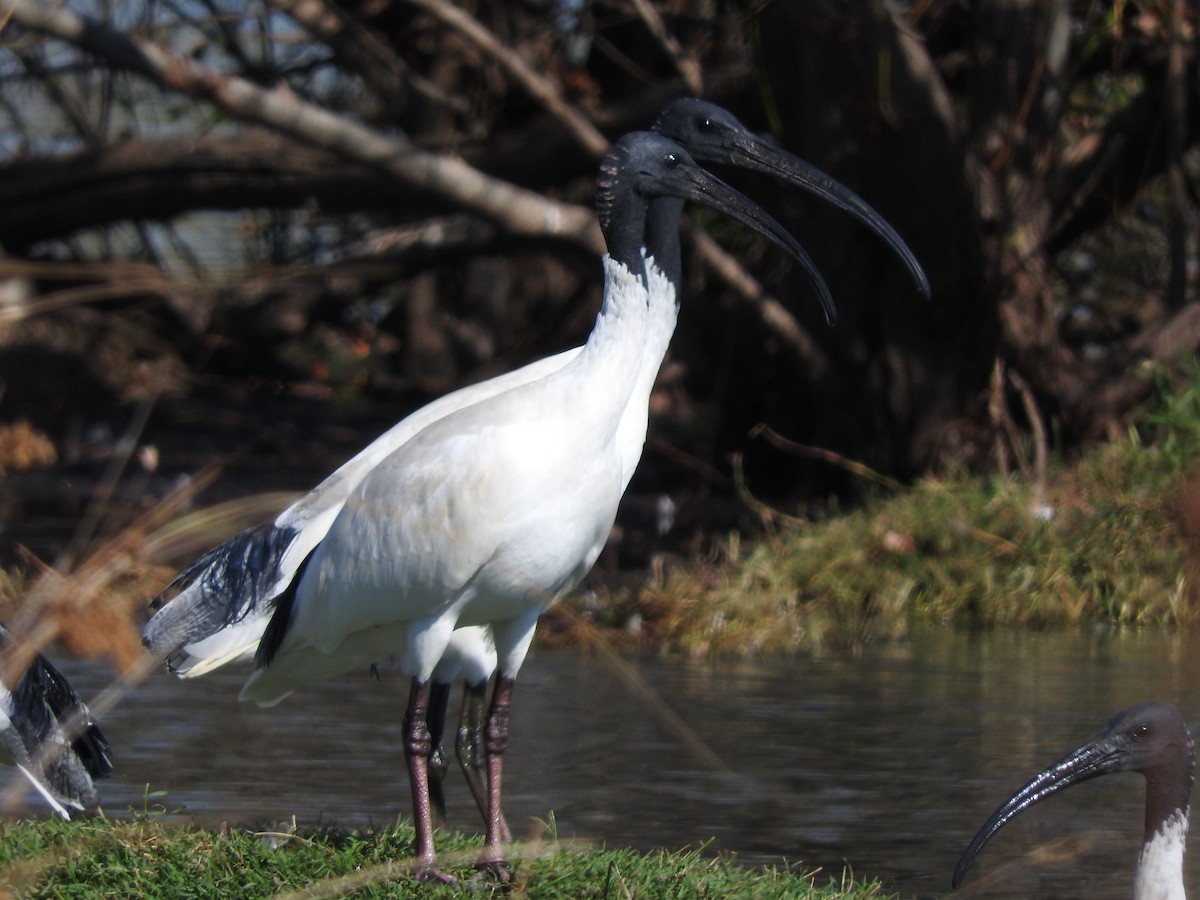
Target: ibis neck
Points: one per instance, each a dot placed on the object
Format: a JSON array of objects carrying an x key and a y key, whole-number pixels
[
  {"x": 624, "y": 224},
  {"x": 664, "y": 271},
  {"x": 612, "y": 356},
  {"x": 1160, "y": 865},
  {"x": 662, "y": 238},
  {"x": 663, "y": 309},
  {"x": 1168, "y": 792},
  {"x": 658, "y": 233}
]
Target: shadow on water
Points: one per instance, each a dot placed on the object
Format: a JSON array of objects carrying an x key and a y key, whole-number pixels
[{"x": 885, "y": 762}]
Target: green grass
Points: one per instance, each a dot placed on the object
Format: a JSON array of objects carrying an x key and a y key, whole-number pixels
[
  {"x": 972, "y": 553},
  {"x": 106, "y": 858}
]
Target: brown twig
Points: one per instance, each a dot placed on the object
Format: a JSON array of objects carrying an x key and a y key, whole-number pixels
[
  {"x": 1000, "y": 418},
  {"x": 777, "y": 440},
  {"x": 540, "y": 88},
  {"x": 57, "y": 604},
  {"x": 107, "y": 487},
  {"x": 766, "y": 513},
  {"x": 1041, "y": 454},
  {"x": 362, "y": 50},
  {"x": 685, "y": 63}
]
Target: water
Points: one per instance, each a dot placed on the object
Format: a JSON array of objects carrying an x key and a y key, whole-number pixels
[{"x": 886, "y": 761}]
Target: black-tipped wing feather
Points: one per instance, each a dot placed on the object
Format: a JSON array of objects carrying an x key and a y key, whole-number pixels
[
  {"x": 51, "y": 735},
  {"x": 229, "y": 582},
  {"x": 50, "y": 699}
]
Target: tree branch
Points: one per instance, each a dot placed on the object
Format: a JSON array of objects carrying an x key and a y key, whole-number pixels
[
  {"x": 361, "y": 50},
  {"x": 158, "y": 179},
  {"x": 771, "y": 312},
  {"x": 517, "y": 210},
  {"x": 451, "y": 179},
  {"x": 1106, "y": 169},
  {"x": 685, "y": 63},
  {"x": 539, "y": 88}
]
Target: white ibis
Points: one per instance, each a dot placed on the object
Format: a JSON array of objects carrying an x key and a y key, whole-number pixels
[
  {"x": 48, "y": 733},
  {"x": 493, "y": 512},
  {"x": 487, "y": 515},
  {"x": 1150, "y": 738}
]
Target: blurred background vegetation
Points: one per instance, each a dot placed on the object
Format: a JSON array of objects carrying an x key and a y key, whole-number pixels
[{"x": 253, "y": 234}]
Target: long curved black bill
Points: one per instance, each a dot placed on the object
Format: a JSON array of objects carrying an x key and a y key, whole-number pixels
[
  {"x": 757, "y": 154},
  {"x": 704, "y": 187},
  {"x": 713, "y": 135},
  {"x": 1098, "y": 757}
]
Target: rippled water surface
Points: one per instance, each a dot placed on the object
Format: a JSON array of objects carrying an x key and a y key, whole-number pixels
[{"x": 886, "y": 761}]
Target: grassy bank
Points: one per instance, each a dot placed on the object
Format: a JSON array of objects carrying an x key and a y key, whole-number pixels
[
  {"x": 100, "y": 857},
  {"x": 1112, "y": 535}
]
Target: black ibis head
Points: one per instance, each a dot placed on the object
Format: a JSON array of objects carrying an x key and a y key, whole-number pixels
[
  {"x": 1150, "y": 738},
  {"x": 643, "y": 168},
  {"x": 714, "y": 135}
]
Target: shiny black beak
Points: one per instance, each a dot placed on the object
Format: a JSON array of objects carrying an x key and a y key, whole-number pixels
[
  {"x": 705, "y": 188},
  {"x": 1099, "y": 756},
  {"x": 713, "y": 135},
  {"x": 1151, "y": 738}
]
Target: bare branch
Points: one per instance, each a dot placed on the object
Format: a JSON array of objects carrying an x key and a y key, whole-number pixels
[
  {"x": 158, "y": 179},
  {"x": 453, "y": 180},
  {"x": 540, "y": 88},
  {"x": 1106, "y": 169},
  {"x": 685, "y": 64},
  {"x": 517, "y": 210},
  {"x": 364, "y": 52}
]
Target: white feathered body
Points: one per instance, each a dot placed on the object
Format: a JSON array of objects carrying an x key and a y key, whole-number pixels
[
  {"x": 487, "y": 516},
  {"x": 308, "y": 520}
]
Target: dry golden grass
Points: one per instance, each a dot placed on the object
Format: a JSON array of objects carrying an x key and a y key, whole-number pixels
[{"x": 23, "y": 447}]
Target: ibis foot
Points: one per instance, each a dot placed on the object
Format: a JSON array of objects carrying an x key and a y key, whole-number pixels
[
  {"x": 499, "y": 869},
  {"x": 433, "y": 875}
]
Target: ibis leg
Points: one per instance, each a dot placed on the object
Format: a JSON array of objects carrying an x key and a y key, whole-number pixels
[
  {"x": 472, "y": 756},
  {"x": 495, "y": 743},
  {"x": 439, "y": 702},
  {"x": 418, "y": 746}
]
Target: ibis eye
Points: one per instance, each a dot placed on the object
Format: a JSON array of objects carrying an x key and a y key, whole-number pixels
[
  {"x": 705, "y": 125},
  {"x": 671, "y": 161},
  {"x": 1141, "y": 732}
]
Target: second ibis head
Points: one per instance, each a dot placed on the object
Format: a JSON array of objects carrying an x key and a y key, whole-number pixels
[
  {"x": 714, "y": 135},
  {"x": 1150, "y": 738}
]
